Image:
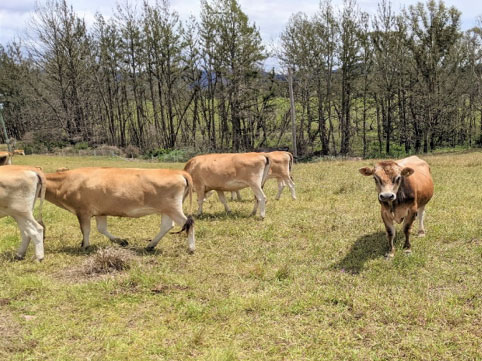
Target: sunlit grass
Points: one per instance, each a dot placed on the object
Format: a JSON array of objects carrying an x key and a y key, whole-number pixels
[{"x": 310, "y": 282}]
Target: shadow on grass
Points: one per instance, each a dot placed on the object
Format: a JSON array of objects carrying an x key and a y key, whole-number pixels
[
  {"x": 75, "y": 250},
  {"x": 8, "y": 256},
  {"x": 367, "y": 247},
  {"x": 222, "y": 215}
]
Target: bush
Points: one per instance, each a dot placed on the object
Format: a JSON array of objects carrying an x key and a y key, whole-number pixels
[
  {"x": 81, "y": 146},
  {"x": 132, "y": 151},
  {"x": 109, "y": 150}
]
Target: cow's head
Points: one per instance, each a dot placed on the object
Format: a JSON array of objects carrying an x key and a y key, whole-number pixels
[{"x": 388, "y": 177}]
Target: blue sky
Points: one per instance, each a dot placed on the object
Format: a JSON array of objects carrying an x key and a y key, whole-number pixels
[{"x": 269, "y": 15}]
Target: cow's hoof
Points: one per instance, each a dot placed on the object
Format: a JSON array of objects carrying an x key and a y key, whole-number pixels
[
  {"x": 421, "y": 233},
  {"x": 408, "y": 252},
  {"x": 150, "y": 249},
  {"x": 390, "y": 255},
  {"x": 190, "y": 251},
  {"x": 39, "y": 260},
  {"x": 18, "y": 257},
  {"x": 121, "y": 242}
]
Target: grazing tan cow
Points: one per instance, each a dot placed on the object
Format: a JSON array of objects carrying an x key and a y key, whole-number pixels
[
  {"x": 229, "y": 172},
  {"x": 20, "y": 186},
  {"x": 18, "y": 152},
  {"x": 123, "y": 192},
  {"x": 5, "y": 158},
  {"x": 281, "y": 165},
  {"x": 404, "y": 188}
]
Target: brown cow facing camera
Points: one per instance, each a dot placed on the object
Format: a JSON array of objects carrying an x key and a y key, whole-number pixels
[{"x": 404, "y": 188}]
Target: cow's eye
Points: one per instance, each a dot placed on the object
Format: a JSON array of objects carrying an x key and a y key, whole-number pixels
[
  {"x": 397, "y": 179},
  {"x": 375, "y": 179}
]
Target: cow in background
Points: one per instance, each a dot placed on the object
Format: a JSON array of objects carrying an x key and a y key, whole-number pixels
[
  {"x": 281, "y": 166},
  {"x": 5, "y": 158},
  {"x": 228, "y": 172},
  {"x": 404, "y": 188}
]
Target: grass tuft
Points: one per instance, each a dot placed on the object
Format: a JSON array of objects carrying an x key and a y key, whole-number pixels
[{"x": 108, "y": 260}]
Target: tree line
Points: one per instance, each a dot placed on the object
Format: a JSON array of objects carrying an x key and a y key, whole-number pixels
[{"x": 393, "y": 82}]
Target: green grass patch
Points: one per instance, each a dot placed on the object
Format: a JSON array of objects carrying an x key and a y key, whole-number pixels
[{"x": 310, "y": 282}]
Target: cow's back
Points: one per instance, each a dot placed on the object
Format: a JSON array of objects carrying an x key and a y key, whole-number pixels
[
  {"x": 221, "y": 170},
  {"x": 421, "y": 180},
  {"x": 114, "y": 191}
]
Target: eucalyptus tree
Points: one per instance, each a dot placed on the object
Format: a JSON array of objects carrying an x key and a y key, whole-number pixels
[
  {"x": 387, "y": 56},
  {"x": 62, "y": 53},
  {"x": 348, "y": 54},
  {"x": 132, "y": 49},
  {"x": 163, "y": 60},
  {"x": 233, "y": 55},
  {"x": 434, "y": 34}
]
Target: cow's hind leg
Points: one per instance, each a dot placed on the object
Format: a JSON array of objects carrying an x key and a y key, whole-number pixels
[
  {"x": 30, "y": 229},
  {"x": 166, "y": 225},
  {"x": 261, "y": 200},
  {"x": 101, "y": 222},
  {"x": 84, "y": 221},
  {"x": 281, "y": 186},
  {"x": 235, "y": 195},
  {"x": 421, "y": 228},
  {"x": 291, "y": 186},
  {"x": 407, "y": 225},
  {"x": 187, "y": 224},
  {"x": 222, "y": 198}
]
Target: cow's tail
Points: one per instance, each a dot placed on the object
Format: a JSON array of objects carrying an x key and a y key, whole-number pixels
[
  {"x": 40, "y": 193},
  {"x": 190, "y": 220},
  {"x": 290, "y": 164},
  {"x": 266, "y": 171}
]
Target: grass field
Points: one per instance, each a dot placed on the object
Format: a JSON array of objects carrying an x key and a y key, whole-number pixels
[{"x": 310, "y": 282}]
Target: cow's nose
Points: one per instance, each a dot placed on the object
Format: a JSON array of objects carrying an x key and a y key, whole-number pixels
[{"x": 386, "y": 197}]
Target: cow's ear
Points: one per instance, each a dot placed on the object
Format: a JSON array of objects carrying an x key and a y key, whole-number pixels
[
  {"x": 366, "y": 171},
  {"x": 407, "y": 171}
]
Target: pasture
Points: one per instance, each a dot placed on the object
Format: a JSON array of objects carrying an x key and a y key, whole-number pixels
[{"x": 310, "y": 282}]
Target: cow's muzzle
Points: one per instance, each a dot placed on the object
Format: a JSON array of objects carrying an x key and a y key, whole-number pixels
[{"x": 387, "y": 197}]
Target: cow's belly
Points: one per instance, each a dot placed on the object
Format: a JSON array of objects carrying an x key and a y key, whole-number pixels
[
  {"x": 231, "y": 185},
  {"x": 131, "y": 213}
]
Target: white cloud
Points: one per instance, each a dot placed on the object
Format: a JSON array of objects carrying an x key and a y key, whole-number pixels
[{"x": 269, "y": 15}]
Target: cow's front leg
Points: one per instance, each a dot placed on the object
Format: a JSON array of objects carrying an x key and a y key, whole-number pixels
[
  {"x": 101, "y": 222},
  {"x": 407, "y": 225},
  {"x": 84, "y": 221},
  {"x": 390, "y": 229},
  {"x": 222, "y": 198}
]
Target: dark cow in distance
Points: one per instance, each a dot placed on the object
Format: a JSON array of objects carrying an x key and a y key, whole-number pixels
[{"x": 404, "y": 188}]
